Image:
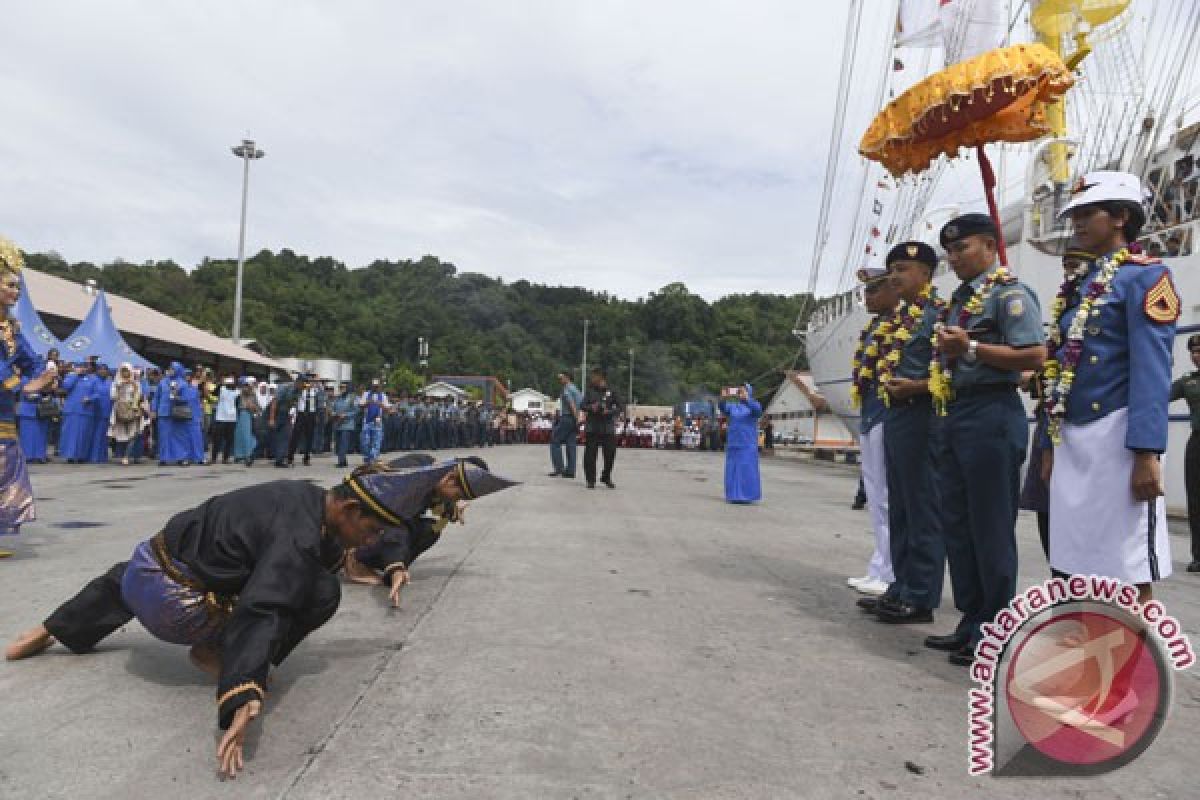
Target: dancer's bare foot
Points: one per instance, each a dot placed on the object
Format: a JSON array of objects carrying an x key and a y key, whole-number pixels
[
  {"x": 359, "y": 572},
  {"x": 29, "y": 643},
  {"x": 206, "y": 658}
]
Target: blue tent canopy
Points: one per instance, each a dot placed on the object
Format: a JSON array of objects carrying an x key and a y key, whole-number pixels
[
  {"x": 39, "y": 336},
  {"x": 98, "y": 336}
]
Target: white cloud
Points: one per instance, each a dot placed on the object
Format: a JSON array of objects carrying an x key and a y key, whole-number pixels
[{"x": 617, "y": 145}]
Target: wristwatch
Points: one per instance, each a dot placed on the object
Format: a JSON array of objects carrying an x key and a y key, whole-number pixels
[{"x": 972, "y": 352}]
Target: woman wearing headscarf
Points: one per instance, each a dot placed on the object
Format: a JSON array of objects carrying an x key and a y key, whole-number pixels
[
  {"x": 195, "y": 389},
  {"x": 244, "y": 442},
  {"x": 33, "y": 418},
  {"x": 75, "y": 438},
  {"x": 125, "y": 421},
  {"x": 17, "y": 360},
  {"x": 741, "y": 445},
  {"x": 101, "y": 413},
  {"x": 174, "y": 413}
]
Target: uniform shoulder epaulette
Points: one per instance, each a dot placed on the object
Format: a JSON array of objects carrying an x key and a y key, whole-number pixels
[
  {"x": 1142, "y": 259},
  {"x": 1008, "y": 279}
]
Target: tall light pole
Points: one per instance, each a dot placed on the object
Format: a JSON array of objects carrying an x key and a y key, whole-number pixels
[
  {"x": 583, "y": 370},
  {"x": 247, "y": 152},
  {"x": 630, "y": 395}
]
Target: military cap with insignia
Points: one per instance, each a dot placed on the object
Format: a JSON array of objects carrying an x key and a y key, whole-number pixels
[
  {"x": 913, "y": 251},
  {"x": 868, "y": 275},
  {"x": 966, "y": 225}
]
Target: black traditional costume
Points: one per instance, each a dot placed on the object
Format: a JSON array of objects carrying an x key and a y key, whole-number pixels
[{"x": 252, "y": 570}]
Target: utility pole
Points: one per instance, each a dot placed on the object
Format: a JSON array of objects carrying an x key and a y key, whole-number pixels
[
  {"x": 247, "y": 152},
  {"x": 629, "y": 397},
  {"x": 583, "y": 376}
]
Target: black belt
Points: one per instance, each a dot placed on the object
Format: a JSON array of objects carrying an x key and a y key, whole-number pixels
[{"x": 980, "y": 389}]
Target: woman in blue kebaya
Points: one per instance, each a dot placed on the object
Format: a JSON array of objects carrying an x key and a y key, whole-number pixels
[
  {"x": 741, "y": 445},
  {"x": 174, "y": 423},
  {"x": 20, "y": 370}
]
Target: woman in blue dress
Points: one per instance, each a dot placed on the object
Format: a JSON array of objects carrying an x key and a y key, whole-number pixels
[
  {"x": 174, "y": 430},
  {"x": 193, "y": 388},
  {"x": 32, "y": 430},
  {"x": 17, "y": 363},
  {"x": 75, "y": 439},
  {"x": 244, "y": 443},
  {"x": 741, "y": 446},
  {"x": 101, "y": 412}
]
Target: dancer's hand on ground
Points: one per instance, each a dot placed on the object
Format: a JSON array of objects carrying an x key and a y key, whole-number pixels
[
  {"x": 229, "y": 751},
  {"x": 399, "y": 580}
]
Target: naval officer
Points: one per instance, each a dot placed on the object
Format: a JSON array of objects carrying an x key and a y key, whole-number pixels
[
  {"x": 1188, "y": 388},
  {"x": 910, "y": 436},
  {"x": 880, "y": 298},
  {"x": 1108, "y": 386},
  {"x": 990, "y": 333}
]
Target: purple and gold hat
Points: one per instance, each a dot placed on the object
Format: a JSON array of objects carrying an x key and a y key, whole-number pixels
[{"x": 397, "y": 496}]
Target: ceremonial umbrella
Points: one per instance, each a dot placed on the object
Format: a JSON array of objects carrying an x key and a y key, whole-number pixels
[{"x": 997, "y": 96}]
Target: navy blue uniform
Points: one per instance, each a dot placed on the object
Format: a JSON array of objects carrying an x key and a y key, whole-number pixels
[{"x": 982, "y": 446}]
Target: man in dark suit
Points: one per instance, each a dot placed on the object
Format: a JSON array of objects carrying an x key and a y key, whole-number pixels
[
  {"x": 310, "y": 404},
  {"x": 602, "y": 407}
]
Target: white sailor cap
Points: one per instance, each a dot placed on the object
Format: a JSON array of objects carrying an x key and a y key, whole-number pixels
[
  {"x": 1103, "y": 186},
  {"x": 870, "y": 274}
]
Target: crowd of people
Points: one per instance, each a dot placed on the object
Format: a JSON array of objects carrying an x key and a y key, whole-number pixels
[
  {"x": 945, "y": 433},
  {"x": 87, "y": 413}
]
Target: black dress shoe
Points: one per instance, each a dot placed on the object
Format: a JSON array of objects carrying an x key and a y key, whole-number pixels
[
  {"x": 1194, "y": 566},
  {"x": 868, "y": 604},
  {"x": 857, "y": 506},
  {"x": 949, "y": 643},
  {"x": 553, "y": 474},
  {"x": 903, "y": 614},
  {"x": 608, "y": 482},
  {"x": 962, "y": 658}
]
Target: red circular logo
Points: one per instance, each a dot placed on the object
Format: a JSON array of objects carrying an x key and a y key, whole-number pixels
[{"x": 1086, "y": 688}]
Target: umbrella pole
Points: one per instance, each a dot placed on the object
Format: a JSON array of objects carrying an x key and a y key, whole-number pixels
[{"x": 989, "y": 189}]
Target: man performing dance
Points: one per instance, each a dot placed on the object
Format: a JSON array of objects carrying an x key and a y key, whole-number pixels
[
  {"x": 242, "y": 578},
  {"x": 441, "y": 490}
]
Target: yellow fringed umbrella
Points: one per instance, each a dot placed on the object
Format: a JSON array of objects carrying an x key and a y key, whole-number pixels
[{"x": 998, "y": 96}]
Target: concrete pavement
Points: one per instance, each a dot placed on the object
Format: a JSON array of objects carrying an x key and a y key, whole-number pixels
[{"x": 648, "y": 642}]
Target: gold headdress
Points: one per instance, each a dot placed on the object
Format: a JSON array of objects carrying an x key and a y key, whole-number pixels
[{"x": 11, "y": 259}]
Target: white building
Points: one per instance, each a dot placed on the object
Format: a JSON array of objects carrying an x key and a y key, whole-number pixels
[
  {"x": 531, "y": 400},
  {"x": 800, "y": 414},
  {"x": 326, "y": 369}
]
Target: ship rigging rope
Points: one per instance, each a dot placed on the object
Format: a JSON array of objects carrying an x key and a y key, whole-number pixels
[{"x": 833, "y": 158}]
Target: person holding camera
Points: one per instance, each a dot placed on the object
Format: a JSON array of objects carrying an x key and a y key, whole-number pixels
[
  {"x": 742, "y": 484},
  {"x": 602, "y": 408},
  {"x": 34, "y": 412}
]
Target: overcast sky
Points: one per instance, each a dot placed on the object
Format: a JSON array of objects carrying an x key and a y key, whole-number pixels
[{"x": 616, "y": 145}]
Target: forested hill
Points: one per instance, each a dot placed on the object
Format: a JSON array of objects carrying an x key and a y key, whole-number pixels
[{"x": 520, "y": 332}]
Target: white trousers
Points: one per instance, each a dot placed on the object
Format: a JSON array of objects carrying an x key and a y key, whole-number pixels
[
  {"x": 874, "y": 470},
  {"x": 1096, "y": 526}
]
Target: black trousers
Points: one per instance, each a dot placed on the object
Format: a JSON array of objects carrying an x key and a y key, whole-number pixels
[
  {"x": 598, "y": 441},
  {"x": 222, "y": 439},
  {"x": 1191, "y": 478},
  {"x": 302, "y": 435}
]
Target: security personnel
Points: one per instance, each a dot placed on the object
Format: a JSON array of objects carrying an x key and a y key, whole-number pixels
[
  {"x": 880, "y": 298},
  {"x": 1188, "y": 388},
  {"x": 910, "y": 441},
  {"x": 992, "y": 332},
  {"x": 1107, "y": 511}
]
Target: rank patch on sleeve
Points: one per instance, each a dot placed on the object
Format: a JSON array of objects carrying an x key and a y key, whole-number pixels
[
  {"x": 1162, "y": 302},
  {"x": 1015, "y": 306}
]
